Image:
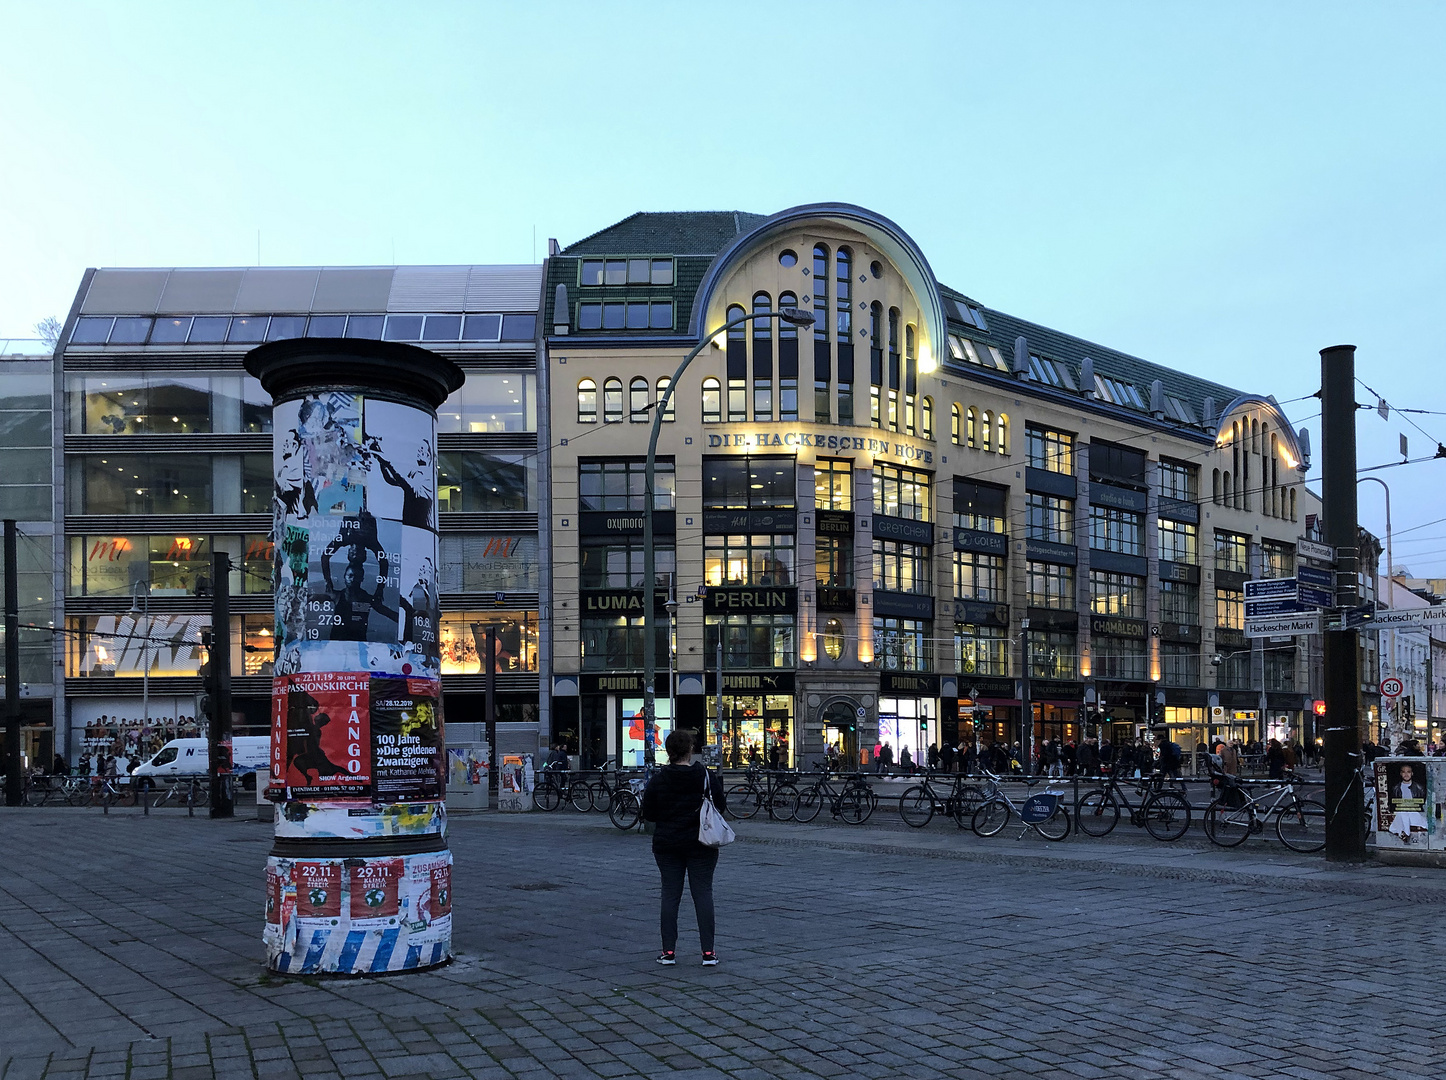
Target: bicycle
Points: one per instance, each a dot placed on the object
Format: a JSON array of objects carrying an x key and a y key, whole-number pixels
[
  {"x": 1044, "y": 813},
  {"x": 853, "y": 803},
  {"x": 625, "y": 807},
  {"x": 196, "y": 793},
  {"x": 600, "y": 791},
  {"x": 778, "y": 796},
  {"x": 1164, "y": 813},
  {"x": 1299, "y": 823},
  {"x": 553, "y": 788},
  {"x": 918, "y": 804}
]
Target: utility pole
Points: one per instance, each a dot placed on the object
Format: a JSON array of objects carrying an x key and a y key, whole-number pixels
[
  {"x": 718, "y": 713},
  {"x": 219, "y": 730},
  {"x": 489, "y": 709},
  {"x": 1026, "y": 706},
  {"x": 1345, "y": 808},
  {"x": 14, "y": 780}
]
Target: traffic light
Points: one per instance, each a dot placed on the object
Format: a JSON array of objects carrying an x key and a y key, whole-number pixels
[{"x": 1319, "y": 708}]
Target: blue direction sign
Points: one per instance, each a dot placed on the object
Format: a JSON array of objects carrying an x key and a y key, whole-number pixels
[
  {"x": 1267, "y": 587},
  {"x": 1310, "y": 596},
  {"x": 1255, "y": 609},
  {"x": 1321, "y": 579}
]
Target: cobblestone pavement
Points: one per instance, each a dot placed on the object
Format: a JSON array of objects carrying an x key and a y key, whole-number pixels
[{"x": 130, "y": 948}]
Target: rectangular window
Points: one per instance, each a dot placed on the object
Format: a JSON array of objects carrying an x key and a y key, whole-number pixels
[
  {"x": 1117, "y": 594},
  {"x": 1049, "y": 518},
  {"x": 1050, "y": 585},
  {"x": 1119, "y": 658},
  {"x": 1179, "y": 541},
  {"x": 1179, "y": 481},
  {"x": 488, "y": 563},
  {"x": 834, "y": 562},
  {"x": 761, "y": 560},
  {"x": 1232, "y": 552},
  {"x": 833, "y": 484},
  {"x": 901, "y": 567},
  {"x": 762, "y": 399},
  {"x": 904, "y": 493},
  {"x": 903, "y": 644},
  {"x": 1277, "y": 560},
  {"x": 621, "y": 484},
  {"x": 1179, "y": 664},
  {"x": 980, "y": 650},
  {"x": 1050, "y": 450},
  {"x": 1280, "y": 668},
  {"x": 751, "y": 641},
  {"x": 617, "y": 644},
  {"x": 755, "y": 482},
  {"x": 1233, "y": 671},
  {"x": 822, "y": 400},
  {"x": 1052, "y": 655},
  {"x": 139, "y": 484},
  {"x": 473, "y": 481},
  {"x": 874, "y": 406},
  {"x": 737, "y": 400},
  {"x": 1180, "y": 603},
  {"x": 980, "y": 577},
  {"x": 617, "y": 563},
  {"x": 1117, "y": 530},
  {"x": 1118, "y": 464},
  {"x": 982, "y": 507},
  {"x": 1230, "y": 609},
  {"x": 491, "y": 403}
]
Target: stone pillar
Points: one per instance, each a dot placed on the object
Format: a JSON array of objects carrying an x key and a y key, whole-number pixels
[{"x": 359, "y": 878}]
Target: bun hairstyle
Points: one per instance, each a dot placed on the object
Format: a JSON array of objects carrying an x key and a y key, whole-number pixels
[{"x": 678, "y": 744}]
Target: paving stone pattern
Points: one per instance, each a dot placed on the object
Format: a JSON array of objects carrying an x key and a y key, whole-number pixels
[{"x": 130, "y": 948}]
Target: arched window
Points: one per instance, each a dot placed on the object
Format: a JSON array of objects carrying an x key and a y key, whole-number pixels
[
  {"x": 586, "y": 401},
  {"x": 876, "y": 362},
  {"x": 843, "y": 304},
  {"x": 712, "y": 401},
  {"x": 1227, "y": 486},
  {"x": 670, "y": 413},
  {"x": 986, "y": 424},
  {"x": 820, "y": 293},
  {"x": 1292, "y": 504},
  {"x": 638, "y": 399},
  {"x": 954, "y": 423},
  {"x": 1001, "y": 433},
  {"x": 762, "y": 357},
  {"x": 762, "y": 324},
  {"x": 1215, "y": 486},
  {"x": 737, "y": 365},
  {"x": 736, "y": 333},
  {"x": 787, "y": 361},
  {"x": 1255, "y": 436},
  {"x": 612, "y": 401},
  {"x": 971, "y": 422},
  {"x": 926, "y": 418}
]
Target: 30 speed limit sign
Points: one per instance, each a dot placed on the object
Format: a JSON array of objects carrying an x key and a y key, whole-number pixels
[{"x": 1391, "y": 687}]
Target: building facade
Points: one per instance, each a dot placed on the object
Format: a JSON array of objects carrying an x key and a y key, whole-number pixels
[
  {"x": 164, "y": 456},
  {"x": 875, "y": 526}
]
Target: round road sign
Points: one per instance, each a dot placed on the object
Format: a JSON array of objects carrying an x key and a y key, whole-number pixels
[{"x": 1391, "y": 687}]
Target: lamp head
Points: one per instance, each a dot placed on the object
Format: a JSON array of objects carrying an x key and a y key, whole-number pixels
[{"x": 797, "y": 317}]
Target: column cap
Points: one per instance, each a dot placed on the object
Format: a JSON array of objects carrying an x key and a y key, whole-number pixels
[{"x": 389, "y": 368}]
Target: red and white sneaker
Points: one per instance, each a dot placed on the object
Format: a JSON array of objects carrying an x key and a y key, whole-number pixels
[
  {"x": 667, "y": 959},
  {"x": 710, "y": 959}
]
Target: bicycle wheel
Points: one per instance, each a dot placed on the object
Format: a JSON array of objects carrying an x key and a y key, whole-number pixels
[
  {"x": 625, "y": 809},
  {"x": 810, "y": 802},
  {"x": 1098, "y": 813},
  {"x": 855, "y": 806},
  {"x": 970, "y": 798},
  {"x": 784, "y": 803},
  {"x": 579, "y": 794},
  {"x": 992, "y": 815},
  {"x": 547, "y": 796},
  {"x": 744, "y": 801},
  {"x": 1227, "y": 826},
  {"x": 1301, "y": 825},
  {"x": 916, "y": 806},
  {"x": 1167, "y": 815},
  {"x": 1056, "y": 826}
]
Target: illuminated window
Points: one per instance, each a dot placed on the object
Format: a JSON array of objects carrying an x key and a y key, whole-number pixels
[
  {"x": 612, "y": 401},
  {"x": 587, "y": 401},
  {"x": 638, "y": 400},
  {"x": 712, "y": 401}
]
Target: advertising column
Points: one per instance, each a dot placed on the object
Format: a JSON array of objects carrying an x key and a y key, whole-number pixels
[{"x": 359, "y": 876}]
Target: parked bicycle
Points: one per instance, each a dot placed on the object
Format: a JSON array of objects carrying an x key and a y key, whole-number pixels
[
  {"x": 853, "y": 802},
  {"x": 556, "y": 785},
  {"x": 919, "y": 804},
  {"x": 1044, "y": 813},
  {"x": 768, "y": 790},
  {"x": 1163, "y": 812},
  {"x": 190, "y": 794},
  {"x": 625, "y": 806},
  {"x": 1235, "y": 815}
]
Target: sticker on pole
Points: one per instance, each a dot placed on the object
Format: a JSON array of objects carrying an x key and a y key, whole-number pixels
[
  {"x": 1391, "y": 687},
  {"x": 1038, "y": 808}
]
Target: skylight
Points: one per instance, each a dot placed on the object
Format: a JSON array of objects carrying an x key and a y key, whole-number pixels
[{"x": 1118, "y": 392}]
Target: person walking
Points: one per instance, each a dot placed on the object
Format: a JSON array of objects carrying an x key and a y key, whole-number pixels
[
  {"x": 672, "y": 801},
  {"x": 1275, "y": 760}
]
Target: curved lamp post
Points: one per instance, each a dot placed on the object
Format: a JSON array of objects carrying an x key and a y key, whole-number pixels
[{"x": 650, "y": 652}]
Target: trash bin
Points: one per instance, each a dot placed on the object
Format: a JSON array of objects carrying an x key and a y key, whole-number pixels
[{"x": 515, "y": 783}]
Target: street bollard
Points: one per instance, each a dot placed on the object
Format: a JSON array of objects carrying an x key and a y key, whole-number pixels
[{"x": 359, "y": 877}]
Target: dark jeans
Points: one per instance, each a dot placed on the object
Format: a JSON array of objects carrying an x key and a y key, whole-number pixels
[{"x": 698, "y": 862}]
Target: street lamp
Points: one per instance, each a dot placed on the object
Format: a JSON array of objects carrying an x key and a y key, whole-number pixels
[{"x": 650, "y": 651}]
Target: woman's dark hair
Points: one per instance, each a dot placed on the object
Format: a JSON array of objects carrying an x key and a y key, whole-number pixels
[{"x": 679, "y": 744}]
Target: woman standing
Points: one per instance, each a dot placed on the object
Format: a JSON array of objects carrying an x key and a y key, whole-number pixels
[{"x": 672, "y": 800}]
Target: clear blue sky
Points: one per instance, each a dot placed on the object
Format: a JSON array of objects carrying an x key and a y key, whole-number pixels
[{"x": 1224, "y": 187}]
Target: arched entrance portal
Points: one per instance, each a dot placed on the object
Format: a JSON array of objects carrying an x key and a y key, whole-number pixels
[{"x": 840, "y": 730}]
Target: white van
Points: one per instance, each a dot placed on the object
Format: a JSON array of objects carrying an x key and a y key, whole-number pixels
[{"x": 187, "y": 758}]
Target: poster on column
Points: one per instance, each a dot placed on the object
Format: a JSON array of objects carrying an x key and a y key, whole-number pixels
[
  {"x": 321, "y": 734},
  {"x": 418, "y": 601},
  {"x": 319, "y": 467},
  {"x": 398, "y": 444},
  {"x": 376, "y": 886},
  {"x": 429, "y": 884},
  {"x": 353, "y": 580},
  {"x": 318, "y": 892},
  {"x": 406, "y": 723}
]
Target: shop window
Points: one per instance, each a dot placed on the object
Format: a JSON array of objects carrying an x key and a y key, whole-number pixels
[
  {"x": 902, "y": 567},
  {"x": 762, "y": 560},
  {"x": 752, "y": 482},
  {"x": 752, "y": 641},
  {"x": 463, "y": 639},
  {"x": 1053, "y": 655},
  {"x": 617, "y": 644},
  {"x": 903, "y": 644},
  {"x": 834, "y": 562},
  {"x": 621, "y": 484},
  {"x": 981, "y": 650}
]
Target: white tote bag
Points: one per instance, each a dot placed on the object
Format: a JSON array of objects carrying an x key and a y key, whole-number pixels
[{"x": 713, "y": 831}]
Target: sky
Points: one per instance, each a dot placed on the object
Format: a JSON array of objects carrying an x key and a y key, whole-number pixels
[{"x": 1225, "y": 188}]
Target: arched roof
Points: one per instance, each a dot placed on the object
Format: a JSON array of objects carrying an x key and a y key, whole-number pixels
[
  {"x": 890, "y": 241},
  {"x": 1283, "y": 429}
]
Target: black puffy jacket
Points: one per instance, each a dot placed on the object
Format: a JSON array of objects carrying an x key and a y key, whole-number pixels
[{"x": 672, "y": 800}]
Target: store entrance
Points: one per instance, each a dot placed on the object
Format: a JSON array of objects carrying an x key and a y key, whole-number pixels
[
  {"x": 756, "y": 730},
  {"x": 841, "y": 734}
]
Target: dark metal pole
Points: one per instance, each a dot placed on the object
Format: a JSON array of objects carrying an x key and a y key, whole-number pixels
[
  {"x": 14, "y": 780},
  {"x": 489, "y": 709},
  {"x": 1026, "y": 707},
  {"x": 1345, "y": 809},
  {"x": 219, "y": 734}
]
